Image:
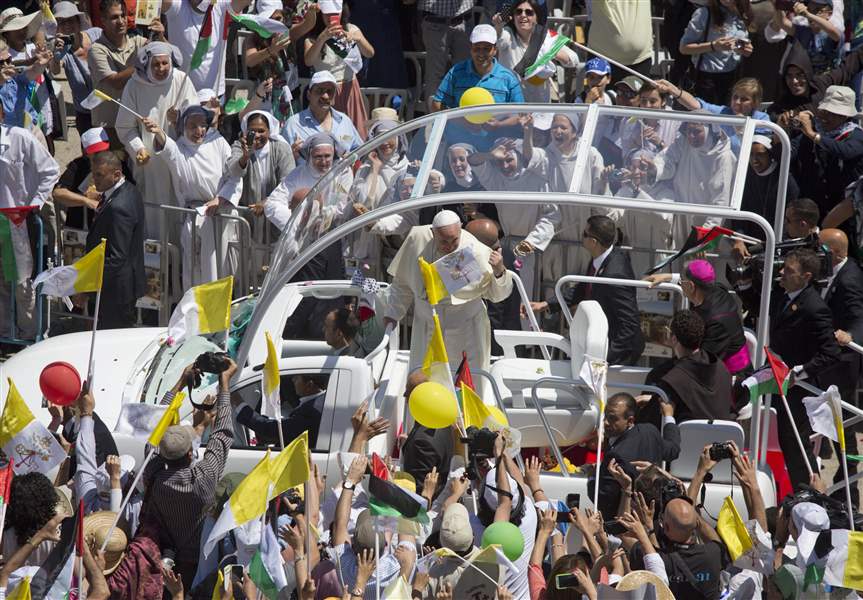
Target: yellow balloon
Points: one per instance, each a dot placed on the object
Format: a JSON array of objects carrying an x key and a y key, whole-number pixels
[
  {"x": 476, "y": 96},
  {"x": 433, "y": 405}
]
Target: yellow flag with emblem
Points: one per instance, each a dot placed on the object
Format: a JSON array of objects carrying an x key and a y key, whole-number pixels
[
  {"x": 170, "y": 417},
  {"x": 435, "y": 289}
]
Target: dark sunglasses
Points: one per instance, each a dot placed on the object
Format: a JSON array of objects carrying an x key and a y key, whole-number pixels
[{"x": 527, "y": 12}]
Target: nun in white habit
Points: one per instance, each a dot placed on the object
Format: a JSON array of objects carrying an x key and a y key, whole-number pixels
[
  {"x": 155, "y": 87},
  {"x": 318, "y": 154},
  {"x": 196, "y": 162}
]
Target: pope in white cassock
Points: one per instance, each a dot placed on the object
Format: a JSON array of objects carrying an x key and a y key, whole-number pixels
[{"x": 462, "y": 314}]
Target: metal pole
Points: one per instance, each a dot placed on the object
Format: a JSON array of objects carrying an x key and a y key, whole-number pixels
[
  {"x": 847, "y": 487},
  {"x": 796, "y": 434},
  {"x": 127, "y": 498},
  {"x": 91, "y": 367}
]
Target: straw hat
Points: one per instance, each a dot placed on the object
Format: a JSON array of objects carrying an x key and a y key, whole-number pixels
[
  {"x": 96, "y": 526},
  {"x": 64, "y": 501},
  {"x": 12, "y": 19},
  {"x": 636, "y": 579}
]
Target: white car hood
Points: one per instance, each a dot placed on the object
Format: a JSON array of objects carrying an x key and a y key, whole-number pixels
[{"x": 117, "y": 354}]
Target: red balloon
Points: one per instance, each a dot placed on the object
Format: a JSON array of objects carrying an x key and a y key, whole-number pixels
[{"x": 60, "y": 383}]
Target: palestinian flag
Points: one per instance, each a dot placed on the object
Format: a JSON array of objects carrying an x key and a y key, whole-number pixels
[
  {"x": 463, "y": 375},
  {"x": 205, "y": 37},
  {"x": 762, "y": 383},
  {"x": 267, "y": 568},
  {"x": 8, "y": 218},
  {"x": 780, "y": 371},
  {"x": 379, "y": 467},
  {"x": 551, "y": 45},
  {"x": 55, "y": 578},
  {"x": 386, "y": 499},
  {"x": 264, "y": 27},
  {"x": 700, "y": 240}
]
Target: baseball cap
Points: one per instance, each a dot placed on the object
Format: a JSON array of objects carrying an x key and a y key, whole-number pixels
[
  {"x": 176, "y": 442},
  {"x": 94, "y": 140},
  {"x": 455, "y": 530},
  {"x": 322, "y": 77},
  {"x": 630, "y": 81},
  {"x": 66, "y": 10},
  {"x": 597, "y": 65},
  {"x": 483, "y": 34}
]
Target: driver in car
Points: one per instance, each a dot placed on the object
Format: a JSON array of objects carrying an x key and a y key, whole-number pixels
[{"x": 311, "y": 391}]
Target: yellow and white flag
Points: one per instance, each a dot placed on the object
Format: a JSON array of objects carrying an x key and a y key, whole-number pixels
[
  {"x": 26, "y": 440},
  {"x": 845, "y": 562},
  {"x": 95, "y": 98},
  {"x": 248, "y": 502},
  {"x": 21, "y": 591},
  {"x": 732, "y": 530},
  {"x": 435, "y": 289},
  {"x": 85, "y": 275},
  {"x": 436, "y": 362},
  {"x": 205, "y": 308},
  {"x": 272, "y": 405},
  {"x": 825, "y": 415},
  {"x": 398, "y": 589},
  {"x": 478, "y": 413},
  {"x": 170, "y": 417}
]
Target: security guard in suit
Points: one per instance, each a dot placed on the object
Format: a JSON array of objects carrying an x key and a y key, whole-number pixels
[{"x": 801, "y": 333}]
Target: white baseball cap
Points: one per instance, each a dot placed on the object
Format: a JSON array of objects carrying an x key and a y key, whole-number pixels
[
  {"x": 322, "y": 77},
  {"x": 94, "y": 140},
  {"x": 483, "y": 34}
]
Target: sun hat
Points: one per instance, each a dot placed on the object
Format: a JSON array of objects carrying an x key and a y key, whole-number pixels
[
  {"x": 96, "y": 527},
  {"x": 839, "y": 100},
  {"x": 12, "y": 19}
]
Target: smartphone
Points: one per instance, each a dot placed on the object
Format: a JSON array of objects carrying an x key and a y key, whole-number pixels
[
  {"x": 614, "y": 528},
  {"x": 250, "y": 139},
  {"x": 237, "y": 572},
  {"x": 573, "y": 501},
  {"x": 563, "y": 516},
  {"x": 565, "y": 581}
]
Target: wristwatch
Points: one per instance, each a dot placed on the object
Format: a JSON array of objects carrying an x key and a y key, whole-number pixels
[{"x": 348, "y": 485}]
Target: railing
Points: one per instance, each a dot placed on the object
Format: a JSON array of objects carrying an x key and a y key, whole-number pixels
[{"x": 592, "y": 279}]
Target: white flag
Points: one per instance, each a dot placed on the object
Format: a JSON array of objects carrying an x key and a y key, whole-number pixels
[{"x": 821, "y": 414}]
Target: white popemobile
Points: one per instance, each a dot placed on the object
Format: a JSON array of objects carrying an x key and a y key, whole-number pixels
[{"x": 545, "y": 399}]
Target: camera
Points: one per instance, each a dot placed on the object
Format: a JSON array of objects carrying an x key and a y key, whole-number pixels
[
  {"x": 836, "y": 509},
  {"x": 293, "y": 497},
  {"x": 751, "y": 272},
  {"x": 618, "y": 177},
  {"x": 480, "y": 446},
  {"x": 739, "y": 44},
  {"x": 720, "y": 451},
  {"x": 212, "y": 362},
  {"x": 668, "y": 490},
  {"x": 795, "y": 123}
]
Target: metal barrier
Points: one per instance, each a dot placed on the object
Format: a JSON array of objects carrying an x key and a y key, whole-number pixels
[
  {"x": 167, "y": 267},
  {"x": 592, "y": 279},
  {"x": 525, "y": 300},
  {"x": 12, "y": 314}
]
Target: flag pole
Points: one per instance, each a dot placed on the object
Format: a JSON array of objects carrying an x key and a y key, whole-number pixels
[
  {"x": 377, "y": 574},
  {"x": 613, "y": 62},
  {"x": 127, "y": 497},
  {"x": 91, "y": 364},
  {"x": 598, "y": 460},
  {"x": 796, "y": 431},
  {"x": 847, "y": 488}
]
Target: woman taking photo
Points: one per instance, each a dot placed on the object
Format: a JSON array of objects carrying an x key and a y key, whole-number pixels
[
  {"x": 522, "y": 42},
  {"x": 717, "y": 39},
  {"x": 340, "y": 49}
]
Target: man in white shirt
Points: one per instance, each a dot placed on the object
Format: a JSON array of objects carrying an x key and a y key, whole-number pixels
[
  {"x": 185, "y": 19},
  {"x": 27, "y": 176}
]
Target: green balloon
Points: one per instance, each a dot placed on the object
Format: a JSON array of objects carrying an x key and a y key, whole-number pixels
[{"x": 507, "y": 536}]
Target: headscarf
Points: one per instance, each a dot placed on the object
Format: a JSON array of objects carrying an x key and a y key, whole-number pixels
[
  {"x": 464, "y": 182},
  {"x": 191, "y": 111},
  {"x": 145, "y": 57},
  {"x": 319, "y": 139},
  {"x": 271, "y": 120},
  {"x": 519, "y": 156},
  {"x": 379, "y": 128}
]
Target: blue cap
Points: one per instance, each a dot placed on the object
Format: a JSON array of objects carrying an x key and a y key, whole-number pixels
[{"x": 598, "y": 65}]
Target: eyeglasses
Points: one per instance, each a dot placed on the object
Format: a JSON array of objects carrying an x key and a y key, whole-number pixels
[
  {"x": 527, "y": 12},
  {"x": 795, "y": 76}
]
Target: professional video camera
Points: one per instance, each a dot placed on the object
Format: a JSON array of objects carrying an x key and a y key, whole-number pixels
[
  {"x": 837, "y": 510},
  {"x": 480, "y": 446},
  {"x": 751, "y": 272}
]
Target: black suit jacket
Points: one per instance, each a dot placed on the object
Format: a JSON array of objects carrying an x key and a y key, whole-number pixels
[
  {"x": 306, "y": 416},
  {"x": 802, "y": 332},
  {"x": 625, "y": 341},
  {"x": 642, "y": 441},
  {"x": 845, "y": 300},
  {"x": 120, "y": 220},
  {"x": 425, "y": 448}
]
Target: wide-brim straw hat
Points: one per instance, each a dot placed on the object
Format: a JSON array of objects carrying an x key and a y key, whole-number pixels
[
  {"x": 96, "y": 526},
  {"x": 636, "y": 579}
]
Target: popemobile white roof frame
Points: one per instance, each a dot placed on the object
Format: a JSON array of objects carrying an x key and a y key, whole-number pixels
[{"x": 294, "y": 251}]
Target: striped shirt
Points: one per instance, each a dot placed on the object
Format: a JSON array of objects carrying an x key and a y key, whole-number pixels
[
  {"x": 178, "y": 497},
  {"x": 446, "y": 8},
  {"x": 503, "y": 84}
]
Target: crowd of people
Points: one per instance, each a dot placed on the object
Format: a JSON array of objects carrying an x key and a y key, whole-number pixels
[{"x": 160, "y": 123}]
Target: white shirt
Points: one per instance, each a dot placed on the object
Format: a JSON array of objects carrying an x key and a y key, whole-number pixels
[
  {"x": 110, "y": 191},
  {"x": 27, "y": 172},
  {"x": 184, "y": 23},
  {"x": 597, "y": 262},
  {"x": 836, "y": 269}
]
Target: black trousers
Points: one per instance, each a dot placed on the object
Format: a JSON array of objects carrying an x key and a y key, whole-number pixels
[
  {"x": 116, "y": 316},
  {"x": 642, "y": 67},
  {"x": 847, "y": 384},
  {"x": 794, "y": 461}
]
